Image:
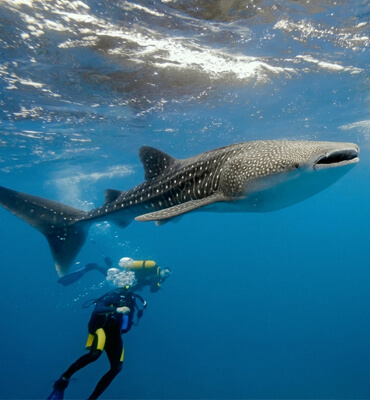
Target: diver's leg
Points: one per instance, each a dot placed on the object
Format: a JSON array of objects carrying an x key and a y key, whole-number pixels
[
  {"x": 114, "y": 350},
  {"x": 96, "y": 349},
  {"x": 62, "y": 383},
  {"x": 96, "y": 343},
  {"x": 84, "y": 360}
]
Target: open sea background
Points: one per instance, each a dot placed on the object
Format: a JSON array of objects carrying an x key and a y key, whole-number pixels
[{"x": 264, "y": 306}]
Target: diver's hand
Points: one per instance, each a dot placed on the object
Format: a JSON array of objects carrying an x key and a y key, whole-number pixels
[{"x": 123, "y": 310}]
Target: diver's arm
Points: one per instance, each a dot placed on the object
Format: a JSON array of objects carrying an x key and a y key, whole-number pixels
[
  {"x": 103, "y": 309},
  {"x": 155, "y": 280},
  {"x": 110, "y": 305},
  {"x": 155, "y": 285}
]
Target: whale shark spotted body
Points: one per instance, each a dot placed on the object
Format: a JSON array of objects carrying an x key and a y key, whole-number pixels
[{"x": 256, "y": 176}]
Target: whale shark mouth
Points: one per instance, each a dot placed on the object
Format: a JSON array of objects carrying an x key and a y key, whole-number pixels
[{"x": 337, "y": 158}]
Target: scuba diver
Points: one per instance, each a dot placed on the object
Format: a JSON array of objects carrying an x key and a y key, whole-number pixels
[
  {"x": 147, "y": 272},
  {"x": 113, "y": 315}
]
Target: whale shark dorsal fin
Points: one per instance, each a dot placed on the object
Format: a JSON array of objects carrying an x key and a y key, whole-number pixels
[
  {"x": 155, "y": 161},
  {"x": 112, "y": 195},
  {"x": 172, "y": 212}
]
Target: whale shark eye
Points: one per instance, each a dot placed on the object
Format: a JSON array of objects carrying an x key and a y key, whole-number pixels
[{"x": 296, "y": 165}]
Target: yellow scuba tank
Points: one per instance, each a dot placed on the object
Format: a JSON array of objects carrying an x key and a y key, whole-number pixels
[{"x": 142, "y": 264}]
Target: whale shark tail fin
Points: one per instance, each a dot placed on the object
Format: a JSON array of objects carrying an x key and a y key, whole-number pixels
[
  {"x": 65, "y": 244},
  {"x": 59, "y": 223}
]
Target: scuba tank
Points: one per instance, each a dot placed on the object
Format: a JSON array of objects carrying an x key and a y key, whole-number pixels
[
  {"x": 144, "y": 264},
  {"x": 132, "y": 265}
]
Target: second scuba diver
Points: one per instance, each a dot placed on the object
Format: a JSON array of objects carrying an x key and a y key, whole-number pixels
[{"x": 147, "y": 272}]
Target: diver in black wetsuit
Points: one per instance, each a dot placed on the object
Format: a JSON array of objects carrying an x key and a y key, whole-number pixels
[{"x": 112, "y": 316}]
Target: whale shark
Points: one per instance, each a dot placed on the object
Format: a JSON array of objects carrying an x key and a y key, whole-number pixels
[{"x": 256, "y": 176}]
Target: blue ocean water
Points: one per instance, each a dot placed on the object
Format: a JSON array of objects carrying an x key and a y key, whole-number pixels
[{"x": 259, "y": 306}]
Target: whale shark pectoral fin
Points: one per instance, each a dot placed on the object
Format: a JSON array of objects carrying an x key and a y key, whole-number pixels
[{"x": 180, "y": 209}]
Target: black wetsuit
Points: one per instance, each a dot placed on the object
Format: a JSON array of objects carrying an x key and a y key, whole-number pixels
[{"x": 105, "y": 329}]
